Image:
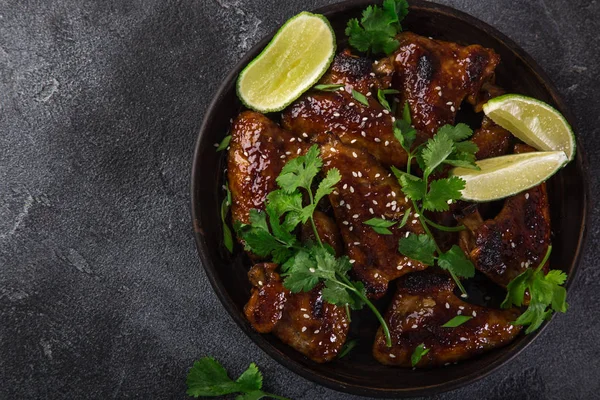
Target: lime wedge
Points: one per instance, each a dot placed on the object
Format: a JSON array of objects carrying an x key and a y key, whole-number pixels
[
  {"x": 505, "y": 176},
  {"x": 294, "y": 60},
  {"x": 532, "y": 121}
]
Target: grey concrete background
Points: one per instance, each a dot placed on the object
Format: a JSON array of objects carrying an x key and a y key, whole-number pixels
[{"x": 101, "y": 292}]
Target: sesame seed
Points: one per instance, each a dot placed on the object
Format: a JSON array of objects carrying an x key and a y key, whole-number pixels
[
  {"x": 342, "y": 203},
  {"x": 387, "y": 142},
  {"x": 372, "y": 74},
  {"x": 359, "y": 174},
  {"x": 288, "y": 153},
  {"x": 312, "y": 270},
  {"x": 415, "y": 326},
  {"x": 379, "y": 115},
  {"x": 351, "y": 104},
  {"x": 353, "y": 141},
  {"x": 363, "y": 134},
  {"x": 282, "y": 156},
  {"x": 260, "y": 283},
  {"x": 303, "y": 309},
  {"x": 459, "y": 312},
  {"x": 354, "y": 154},
  {"x": 371, "y": 211},
  {"x": 351, "y": 189},
  {"x": 304, "y": 134},
  {"x": 464, "y": 295},
  {"x": 376, "y": 275},
  {"x": 216, "y": 144},
  {"x": 356, "y": 243},
  {"x": 377, "y": 140},
  {"x": 303, "y": 329},
  {"x": 354, "y": 174},
  {"x": 452, "y": 108},
  {"x": 386, "y": 112},
  {"x": 438, "y": 88},
  {"x": 377, "y": 175},
  {"x": 416, "y": 215},
  {"x": 513, "y": 245},
  {"x": 336, "y": 114},
  {"x": 526, "y": 196},
  {"x": 461, "y": 307},
  {"x": 440, "y": 93},
  {"x": 393, "y": 193},
  {"x": 449, "y": 103},
  {"x": 414, "y": 221},
  {"x": 292, "y": 139},
  {"x": 399, "y": 267},
  {"x": 306, "y": 316},
  {"x": 447, "y": 306},
  {"x": 449, "y": 202},
  {"x": 317, "y": 331},
  {"x": 355, "y": 216},
  {"x": 368, "y": 93},
  {"x": 392, "y": 356},
  {"x": 351, "y": 228},
  {"x": 345, "y": 222},
  {"x": 345, "y": 186},
  {"x": 348, "y": 206},
  {"x": 352, "y": 261},
  {"x": 332, "y": 149},
  {"x": 407, "y": 234},
  {"x": 365, "y": 118},
  {"x": 463, "y": 339},
  {"x": 374, "y": 202},
  {"x": 299, "y": 150},
  {"x": 474, "y": 313}
]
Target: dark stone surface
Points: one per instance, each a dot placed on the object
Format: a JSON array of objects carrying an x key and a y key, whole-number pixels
[{"x": 101, "y": 292}]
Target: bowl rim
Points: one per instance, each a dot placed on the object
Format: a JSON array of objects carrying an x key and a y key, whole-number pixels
[{"x": 257, "y": 338}]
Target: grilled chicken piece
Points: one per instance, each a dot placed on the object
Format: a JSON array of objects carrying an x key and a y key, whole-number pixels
[
  {"x": 518, "y": 238},
  {"x": 259, "y": 149},
  {"x": 492, "y": 140},
  {"x": 425, "y": 301},
  {"x": 365, "y": 191},
  {"x": 435, "y": 77},
  {"x": 339, "y": 112},
  {"x": 303, "y": 320}
]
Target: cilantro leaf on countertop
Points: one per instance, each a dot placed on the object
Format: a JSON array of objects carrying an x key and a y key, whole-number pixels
[
  {"x": 547, "y": 295},
  {"x": 417, "y": 354},
  {"x": 378, "y": 27},
  {"x": 208, "y": 378}
]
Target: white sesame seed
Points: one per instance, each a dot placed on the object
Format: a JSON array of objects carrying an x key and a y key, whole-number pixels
[
  {"x": 392, "y": 356},
  {"x": 345, "y": 222},
  {"x": 260, "y": 283},
  {"x": 386, "y": 112},
  {"x": 355, "y": 216},
  {"x": 371, "y": 211},
  {"x": 513, "y": 245},
  {"x": 351, "y": 228},
  {"x": 474, "y": 313},
  {"x": 348, "y": 206},
  {"x": 312, "y": 270},
  {"x": 379, "y": 115},
  {"x": 463, "y": 339},
  {"x": 354, "y": 174},
  {"x": 449, "y": 103},
  {"x": 303, "y": 329},
  {"x": 282, "y": 156},
  {"x": 332, "y": 149},
  {"x": 292, "y": 139},
  {"x": 464, "y": 295},
  {"x": 461, "y": 307},
  {"x": 452, "y": 108},
  {"x": 299, "y": 150},
  {"x": 351, "y": 104},
  {"x": 438, "y": 88},
  {"x": 374, "y": 202},
  {"x": 352, "y": 261},
  {"x": 356, "y": 243},
  {"x": 377, "y": 175},
  {"x": 376, "y": 275},
  {"x": 304, "y": 134},
  {"x": 393, "y": 194},
  {"x": 363, "y": 134},
  {"x": 447, "y": 306},
  {"x": 288, "y": 153},
  {"x": 372, "y": 74},
  {"x": 303, "y": 309},
  {"x": 440, "y": 93},
  {"x": 354, "y": 154},
  {"x": 387, "y": 142},
  {"x": 351, "y": 189},
  {"x": 526, "y": 196},
  {"x": 368, "y": 93},
  {"x": 365, "y": 118},
  {"x": 449, "y": 202},
  {"x": 345, "y": 186},
  {"x": 342, "y": 203},
  {"x": 377, "y": 140},
  {"x": 306, "y": 316},
  {"x": 359, "y": 174},
  {"x": 407, "y": 234},
  {"x": 216, "y": 144},
  {"x": 336, "y": 114},
  {"x": 414, "y": 221},
  {"x": 416, "y": 215},
  {"x": 399, "y": 267},
  {"x": 317, "y": 331},
  {"x": 353, "y": 141}
]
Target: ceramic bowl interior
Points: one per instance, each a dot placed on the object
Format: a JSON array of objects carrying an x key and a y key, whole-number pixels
[{"x": 359, "y": 373}]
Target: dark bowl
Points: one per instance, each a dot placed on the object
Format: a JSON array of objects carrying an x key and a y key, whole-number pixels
[{"x": 359, "y": 373}]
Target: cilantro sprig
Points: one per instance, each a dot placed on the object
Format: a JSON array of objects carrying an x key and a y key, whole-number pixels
[
  {"x": 547, "y": 295},
  {"x": 304, "y": 265},
  {"x": 448, "y": 147},
  {"x": 378, "y": 27},
  {"x": 208, "y": 378}
]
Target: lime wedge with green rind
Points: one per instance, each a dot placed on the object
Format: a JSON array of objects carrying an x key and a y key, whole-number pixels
[
  {"x": 533, "y": 121},
  {"x": 501, "y": 177},
  {"x": 294, "y": 60}
]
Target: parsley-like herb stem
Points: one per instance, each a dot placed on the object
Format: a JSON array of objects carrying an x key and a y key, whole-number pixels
[
  {"x": 545, "y": 259},
  {"x": 444, "y": 228}
]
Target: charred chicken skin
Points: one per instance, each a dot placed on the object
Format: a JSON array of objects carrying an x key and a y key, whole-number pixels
[
  {"x": 425, "y": 301},
  {"x": 435, "y": 77},
  {"x": 368, "y": 190},
  {"x": 518, "y": 238},
  {"x": 303, "y": 320}
]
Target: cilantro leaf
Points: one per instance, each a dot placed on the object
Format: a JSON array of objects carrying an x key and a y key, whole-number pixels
[
  {"x": 418, "y": 247},
  {"x": 361, "y": 98},
  {"x": 406, "y": 113},
  {"x": 225, "y": 204},
  {"x": 377, "y": 28},
  {"x": 208, "y": 378},
  {"x": 414, "y": 188},
  {"x": 405, "y": 218},
  {"x": 259, "y": 240},
  {"x": 455, "y": 261},
  {"x": 405, "y": 134},
  {"x": 441, "y": 191},
  {"x": 456, "y": 133},
  {"x": 381, "y": 93},
  {"x": 436, "y": 151},
  {"x": 417, "y": 354},
  {"x": 546, "y": 295},
  {"x": 327, "y": 184},
  {"x": 380, "y": 225},
  {"x": 224, "y": 143},
  {"x": 300, "y": 171},
  {"x": 328, "y": 88},
  {"x": 457, "y": 321}
]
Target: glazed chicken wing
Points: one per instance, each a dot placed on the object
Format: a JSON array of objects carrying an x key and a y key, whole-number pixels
[
  {"x": 424, "y": 302},
  {"x": 258, "y": 150},
  {"x": 516, "y": 239},
  {"x": 367, "y": 191},
  {"x": 435, "y": 77},
  {"x": 367, "y": 127},
  {"x": 303, "y": 320}
]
